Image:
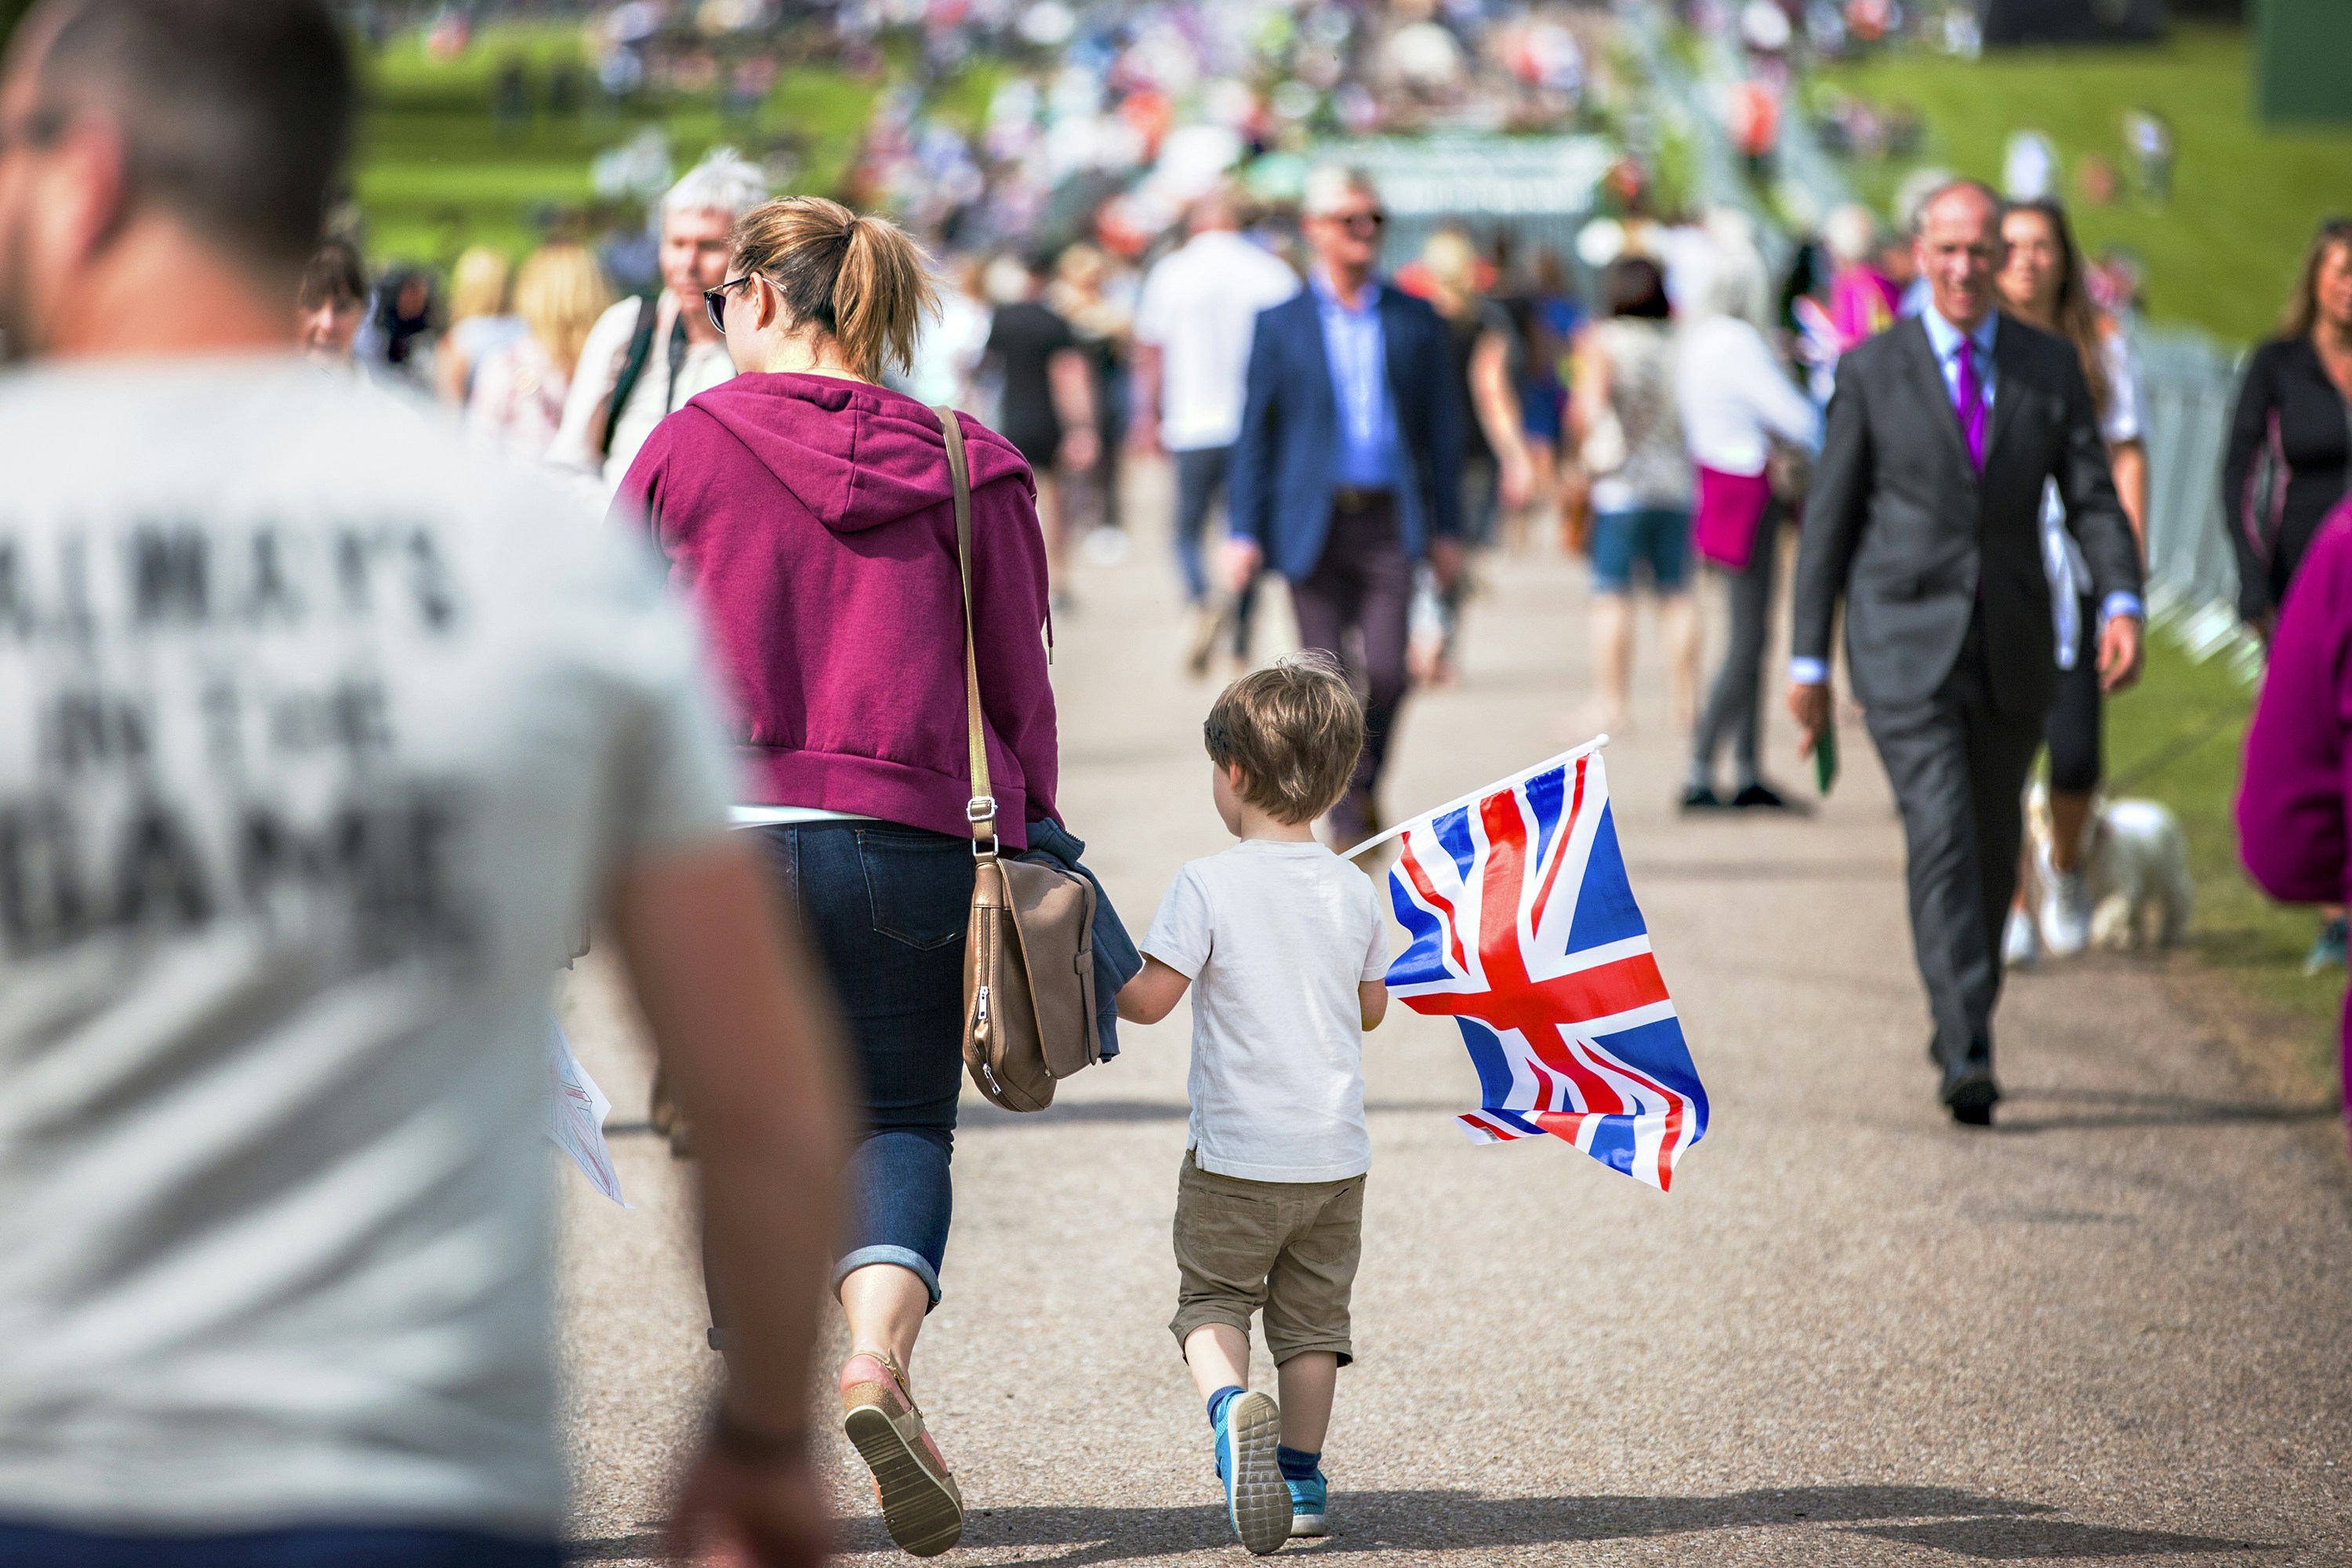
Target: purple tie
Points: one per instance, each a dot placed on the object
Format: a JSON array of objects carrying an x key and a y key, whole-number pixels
[{"x": 1968, "y": 404}]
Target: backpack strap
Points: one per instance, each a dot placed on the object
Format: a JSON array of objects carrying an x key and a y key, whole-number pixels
[{"x": 633, "y": 369}]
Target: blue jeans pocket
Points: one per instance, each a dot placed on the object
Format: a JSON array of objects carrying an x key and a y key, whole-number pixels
[{"x": 919, "y": 886}]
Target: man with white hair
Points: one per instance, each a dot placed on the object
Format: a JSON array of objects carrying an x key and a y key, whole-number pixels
[{"x": 644, "y": 358}]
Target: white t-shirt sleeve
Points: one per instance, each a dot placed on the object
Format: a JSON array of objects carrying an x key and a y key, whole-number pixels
[
  {"x": 2121, "y": 421},
  {"x": 1182, "y": 933},
  {"x": 1376, "y": 949}
]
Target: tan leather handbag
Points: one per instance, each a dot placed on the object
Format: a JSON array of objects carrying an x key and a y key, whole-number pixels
[{"x": 1028, "y": 959}]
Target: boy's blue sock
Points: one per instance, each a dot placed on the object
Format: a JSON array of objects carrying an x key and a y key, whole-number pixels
[
  {"x": 1296, "y": 1466},
  {"x": 1223, "y": 1397}
]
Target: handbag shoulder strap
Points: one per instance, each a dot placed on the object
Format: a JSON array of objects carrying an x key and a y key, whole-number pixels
[{"x": 982, "y": 810}]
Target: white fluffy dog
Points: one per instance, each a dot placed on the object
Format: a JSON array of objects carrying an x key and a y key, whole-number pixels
[{"x": 2136, "y": 869}]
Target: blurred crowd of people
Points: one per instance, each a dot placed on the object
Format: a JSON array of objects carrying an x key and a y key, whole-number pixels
[
  {"x": 339, "y": 728},
  {"x": 1109, "y": 240}
]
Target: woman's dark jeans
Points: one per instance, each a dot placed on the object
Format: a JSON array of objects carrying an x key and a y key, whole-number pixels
[{"x": 886, "y": 908}]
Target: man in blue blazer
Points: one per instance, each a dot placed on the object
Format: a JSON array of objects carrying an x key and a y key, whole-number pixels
[{"x": 1347, "y": 473}]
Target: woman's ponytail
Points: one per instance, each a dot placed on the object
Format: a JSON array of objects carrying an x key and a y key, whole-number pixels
[{"x": 858, "y": 278}]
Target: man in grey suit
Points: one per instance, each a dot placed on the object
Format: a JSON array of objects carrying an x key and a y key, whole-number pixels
[{"x": 1925, "y": 518}]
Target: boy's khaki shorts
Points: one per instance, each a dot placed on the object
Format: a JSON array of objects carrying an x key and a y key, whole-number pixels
[{"x": 1289, "y": 1248}]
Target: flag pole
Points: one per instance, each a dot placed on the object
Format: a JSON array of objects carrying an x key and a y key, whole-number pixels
[{"x": 1481, "y": 792}]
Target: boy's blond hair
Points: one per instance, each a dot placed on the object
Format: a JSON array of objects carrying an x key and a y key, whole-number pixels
[{"x": 1295, "y": 729}]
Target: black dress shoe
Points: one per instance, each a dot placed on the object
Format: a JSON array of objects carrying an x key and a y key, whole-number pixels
[
  {"x": 1971, "y": 1100},
  {"x": 1757, "y": 795},
  {"x": 1699, "y": 797}
]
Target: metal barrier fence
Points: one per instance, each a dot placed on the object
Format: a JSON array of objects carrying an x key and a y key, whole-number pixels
[
  {"x": 2187, "y": 383},
  {"x": 2191, "y": 384}
]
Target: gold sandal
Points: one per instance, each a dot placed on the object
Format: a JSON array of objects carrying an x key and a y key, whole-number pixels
[{"x": 921, "y": 1502}]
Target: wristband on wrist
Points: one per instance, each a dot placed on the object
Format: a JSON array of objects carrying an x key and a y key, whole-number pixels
[{"x": 739, "y": 1440}]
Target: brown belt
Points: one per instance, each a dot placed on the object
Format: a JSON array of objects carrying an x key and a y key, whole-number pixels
[{"x": 1349, "y": 498}]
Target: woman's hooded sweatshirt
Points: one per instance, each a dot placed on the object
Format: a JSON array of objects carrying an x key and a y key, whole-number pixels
[{"x": 811, "y": 521}]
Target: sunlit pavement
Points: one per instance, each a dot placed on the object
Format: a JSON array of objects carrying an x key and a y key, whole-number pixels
[{"x": 2116, "y": 1327}]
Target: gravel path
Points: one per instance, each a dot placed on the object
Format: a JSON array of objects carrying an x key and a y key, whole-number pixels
[{"x": 2115, "y": 1328}]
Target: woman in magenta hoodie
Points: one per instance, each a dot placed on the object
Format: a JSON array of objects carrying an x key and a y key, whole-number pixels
[
  {"x": 2295, "y": 805},
  {"x": 808, "y": 514}
]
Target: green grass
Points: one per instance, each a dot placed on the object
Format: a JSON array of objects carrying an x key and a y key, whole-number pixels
[
  {"x": 2222, "y": 254},
  {"x": 434, "y": 176},
  {"x": 2178, "y": 739}
]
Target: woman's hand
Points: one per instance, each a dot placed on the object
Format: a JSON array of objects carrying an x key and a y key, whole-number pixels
[{"x": 2119, "y": 653}]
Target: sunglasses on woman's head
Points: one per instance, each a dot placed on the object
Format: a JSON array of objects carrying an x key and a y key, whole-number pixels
[{"x": 714, "y": 300}]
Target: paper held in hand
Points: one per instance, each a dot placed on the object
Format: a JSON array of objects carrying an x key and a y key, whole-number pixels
[{"x": 576, "y": 1109}]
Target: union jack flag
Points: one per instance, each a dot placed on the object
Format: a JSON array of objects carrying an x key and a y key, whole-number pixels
[{"x": 1525, "y": 934}]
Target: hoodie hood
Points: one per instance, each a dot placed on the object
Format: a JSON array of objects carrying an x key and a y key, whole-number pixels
[{"x": 856, "y": 456}]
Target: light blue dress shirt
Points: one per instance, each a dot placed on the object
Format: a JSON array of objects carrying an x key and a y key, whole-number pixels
[
  {"x": 1358, "y": 352},
  {"x": 1944, "y": 339}
]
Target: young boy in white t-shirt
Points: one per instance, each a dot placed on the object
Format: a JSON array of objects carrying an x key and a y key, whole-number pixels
[{"x": 1284, "y": 946}]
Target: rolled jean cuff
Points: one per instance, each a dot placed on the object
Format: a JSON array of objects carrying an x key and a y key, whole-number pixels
[{"x": 906, "y": 1257}]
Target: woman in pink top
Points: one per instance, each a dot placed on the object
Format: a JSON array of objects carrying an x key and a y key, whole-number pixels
[
  {"x": 2295, "y": 803},
  {"x": 808, "y": 511},
  {"x": 1864, "y": 302}
]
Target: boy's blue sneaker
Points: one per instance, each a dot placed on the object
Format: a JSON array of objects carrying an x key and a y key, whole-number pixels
[
  {"x": 1307, "y": 1499},
  {"x": 1257, "y": 1499}
]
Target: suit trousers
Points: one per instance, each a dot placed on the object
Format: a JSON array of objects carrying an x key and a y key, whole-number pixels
[
  {"x": 1958, "y": 765},
  {"x": 1361, "y": 584}
]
